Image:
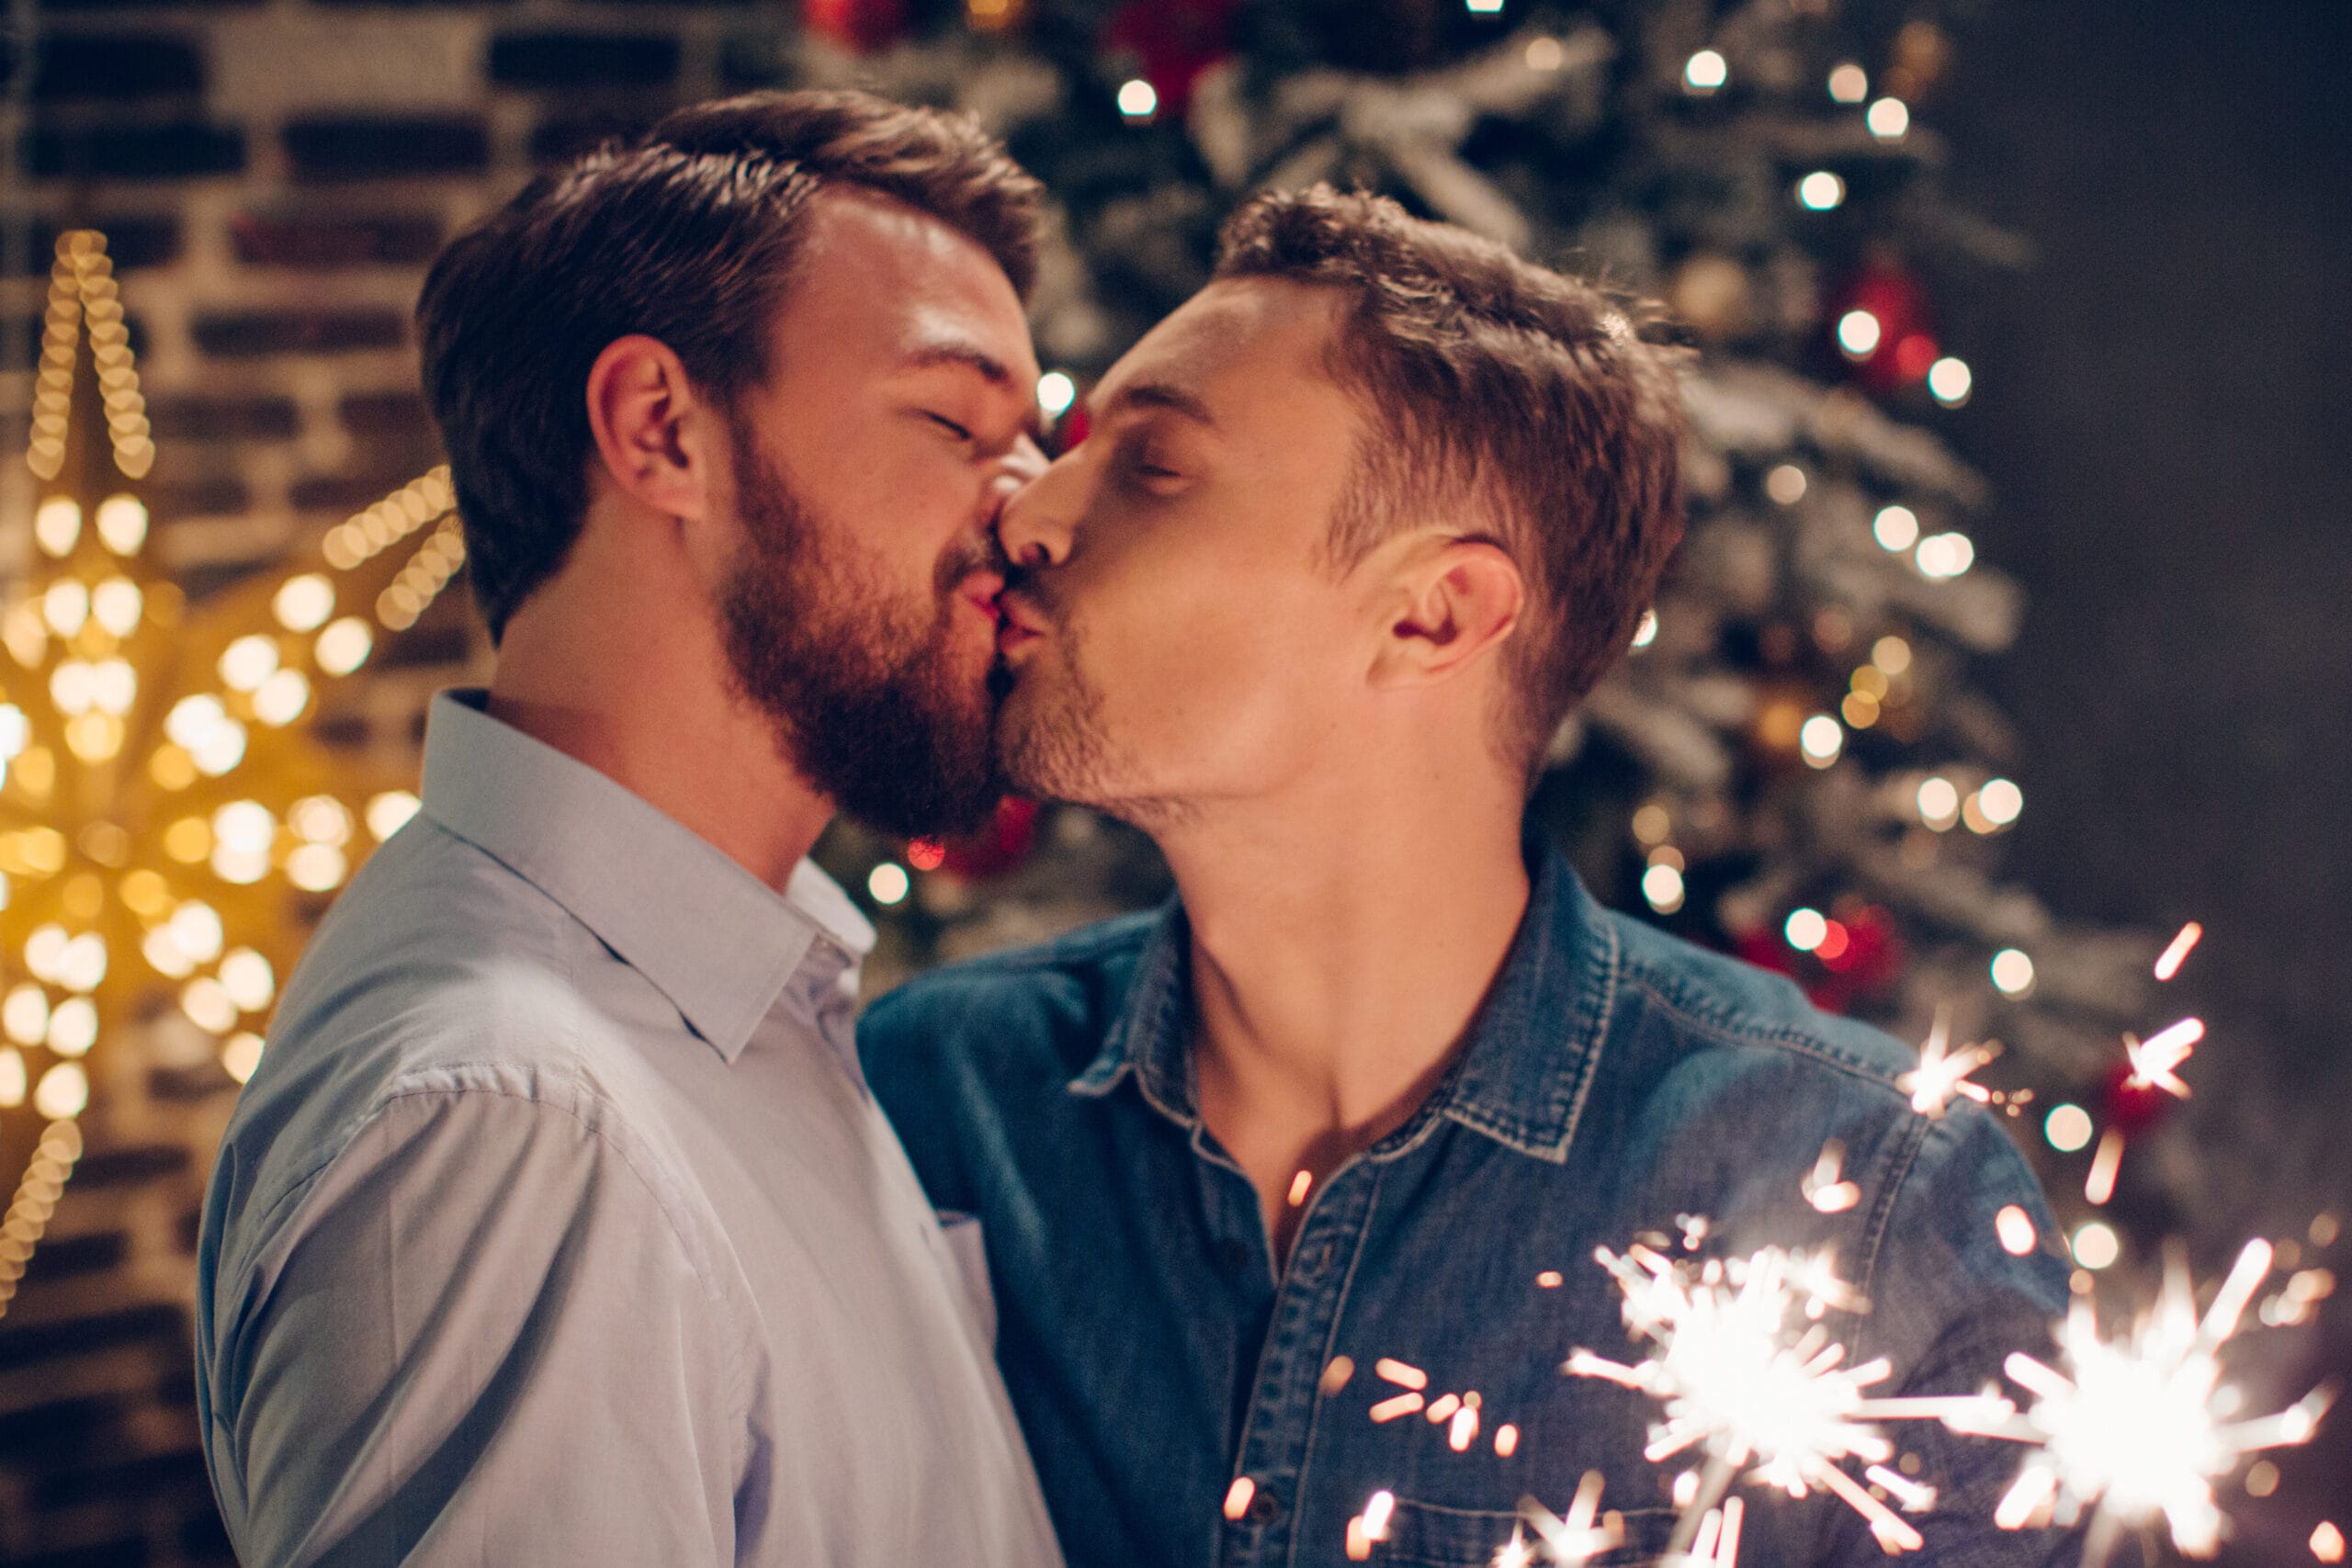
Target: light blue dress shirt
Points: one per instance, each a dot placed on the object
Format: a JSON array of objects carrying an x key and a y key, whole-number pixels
[{"x": 558, "y": 1225}]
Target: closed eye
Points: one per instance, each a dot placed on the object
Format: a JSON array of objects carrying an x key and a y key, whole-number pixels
[{"x": 949, "y": 426}]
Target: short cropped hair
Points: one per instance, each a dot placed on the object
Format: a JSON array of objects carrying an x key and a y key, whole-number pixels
[
  {"x": 688, "y": 234},
  {"x": 1514, "y": 403}
]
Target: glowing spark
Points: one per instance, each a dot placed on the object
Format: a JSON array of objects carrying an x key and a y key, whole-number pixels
[
  {"x": 1336, "y": 1375},
  {"x": 1823, "y": 1189},
  {"x": 1444, "y": 1407},
  {"x": 1236, "y": 1496},
  {"x": 1463, "y": 1431},
  {"x": 2327, "y": 1543},
  {"x": 1745, "y": 1373},
  {"x": 1298, "y": 1186},
  {"x": 2153, "y": 1059},
  {"x": 1915, "y": 1497},
  {"x": 1576, "y": 1540},
  {"x": 2015, "y": 1228},
  {"x": 2139, "y": 1426},
  {"x": 1943, "y": 1072},
  {"x": 2169, "y": 965},
  {"x": 1506, "y": 1440},
  {"x": 1402, "y": 1374},
  {"x": 1549, "y": 1280},
  {"x": 1515, "y": 1553},
  {"x": 1402, "y": 1404},
  {"x": 1376, "y": 1510},
  {"x": 2099, "y": 1186}
]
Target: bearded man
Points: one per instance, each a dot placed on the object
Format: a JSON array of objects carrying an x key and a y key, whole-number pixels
[
  {"x": 1292, "y": 1191},
  {"x": 558, "y": 1225}
]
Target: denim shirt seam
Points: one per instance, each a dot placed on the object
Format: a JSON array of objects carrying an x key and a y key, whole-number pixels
[{"x": 1802, "y": 1041}]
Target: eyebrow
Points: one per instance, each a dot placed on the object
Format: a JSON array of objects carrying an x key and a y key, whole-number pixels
[
  {"x": 954, "y": 352},
  {"x": 1161, "y": 395}
]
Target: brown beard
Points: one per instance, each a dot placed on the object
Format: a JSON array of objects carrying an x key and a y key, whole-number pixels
[{"x": 858, "y": 682}]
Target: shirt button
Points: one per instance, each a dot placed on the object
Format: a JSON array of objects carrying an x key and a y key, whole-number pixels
[
  {"x": 1264, "y": 1508},
  {"x": 1232, "y": 1256},
  {"x": 1310, "y": 1259}
]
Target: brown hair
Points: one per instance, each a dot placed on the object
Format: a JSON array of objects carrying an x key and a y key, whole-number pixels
[
  {"x": 688, "y": 234},
  {"x": 1500, "y": 390}
]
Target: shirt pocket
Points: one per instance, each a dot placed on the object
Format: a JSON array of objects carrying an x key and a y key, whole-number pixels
[
  {"x": 1423, "y": 1535},
  {"x": 967, "y": 1251}
]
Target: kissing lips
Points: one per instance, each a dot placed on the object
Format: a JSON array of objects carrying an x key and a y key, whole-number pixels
[{"x": 1018, "y": 624}]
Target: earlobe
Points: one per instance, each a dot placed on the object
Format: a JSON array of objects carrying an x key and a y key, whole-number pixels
[{"x": 640, "y": 409}]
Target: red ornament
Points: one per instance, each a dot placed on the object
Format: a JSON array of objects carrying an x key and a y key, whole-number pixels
[
  {"x": 865, "y": 26},
  {"x": 2132, "y": 1108},
  {"x": 1858, "y": 958},
  {"x": 998, "y": 847},
  {"x": 1905, "y": 345},
  {"x": 1171, "y": 43}
]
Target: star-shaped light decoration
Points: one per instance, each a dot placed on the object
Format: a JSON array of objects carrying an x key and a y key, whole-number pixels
[
  {"x": 1943, "y": 1072},
  {"x": 170, "y": 814}
]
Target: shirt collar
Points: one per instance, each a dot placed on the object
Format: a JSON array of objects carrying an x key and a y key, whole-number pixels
[
  {"x": 716, "y": 940},
  {"x": 1523, "y": 1074}
]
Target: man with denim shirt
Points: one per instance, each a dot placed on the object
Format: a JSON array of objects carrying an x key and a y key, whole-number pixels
[{"x": 1352, "y": 531}]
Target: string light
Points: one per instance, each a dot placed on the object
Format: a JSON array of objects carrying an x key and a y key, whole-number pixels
[
  {"x": 1820, "y": 191},
  {"x": 1942, "y": 556},
  {"x": 1897, "y": 528},
  {"x": 1848, "y": 82},
  {"x": 1056, "y": 392},
  {"x": 1888, "y": 118},
  {"x": 1137, "y": 100},
  {"x": 888, "y": 882},
  {"x": 1705, "y": 73},
  {"x": 1857, "y": 334},
  {"x": 1950, "y": 380}
]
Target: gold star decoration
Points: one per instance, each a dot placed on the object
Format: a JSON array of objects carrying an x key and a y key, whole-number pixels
[{"x": 173, "y": 812}]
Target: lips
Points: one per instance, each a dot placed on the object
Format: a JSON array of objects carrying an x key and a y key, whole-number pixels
[{"x": 1018, "y": 622}]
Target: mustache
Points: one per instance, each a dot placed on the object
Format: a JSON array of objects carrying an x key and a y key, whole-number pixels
[{"x": 969, "y": 558}]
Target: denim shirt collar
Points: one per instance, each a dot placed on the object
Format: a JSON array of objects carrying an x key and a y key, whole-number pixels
[{"x": 1523, "y": 1075}]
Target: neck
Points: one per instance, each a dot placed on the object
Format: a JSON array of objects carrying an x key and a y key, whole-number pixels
[
  {"x": 1341, "y": 943},
  {"x": 621, "y": 667}
]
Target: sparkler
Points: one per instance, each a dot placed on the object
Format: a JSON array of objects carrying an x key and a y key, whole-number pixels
[
  {"x": 2140, "y": 1426},
  {"x": 2153, "y": 1059},
  {"x": 1569, "y": 1542},
  {"x": 1746, "y": 1370},
  {"x": 1943, "y": 1072}
]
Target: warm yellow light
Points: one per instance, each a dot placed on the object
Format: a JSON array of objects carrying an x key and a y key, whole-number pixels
[
  {"x": 222, "y": 749},
  {"x": 1137, "y": 99},
  {"x": 193, "y": 719},
  {"x": 303, "y": 602},
  {"x": 1945, "y": 555},
  {"x": 1897, "y": 528},
  {"x": 74, "y": 1027},
  {"x": 45, "y": 950},
  {"x": 316, "y": 868},
  {"x": 240, "y": 867},
  {"x": 57, "y": 524},
  {"x": 1662, "y": 886},
  {"x": 244, "y": 825},
  {"x": 1891, "y": 654},
  {"x": 116, "y": 602},
  {"x": 1056, "y": 392},
  {"x": 12, "y": 1079},
  {"x": 1785, "y": 484},
  {"x": 1859, "y": 709},
  {"x": 388, "y": 812},
  {"x": 2000, "y": 801},
  {"x": 70, "y": 686},
  {"x": 25, "y": 635},
  {"x": 1951, "y": 381},
  {"x": 1545, "y": 53},
  {"x": 2012, "y": 972},
  {"x": 1651, "y": 823},
  {"x": 122, "y": 524},
  {"x": 146, "y": 895},
  {"x": 248, "y": 661},
  {"x": 1889, "y": 118},
  {"x": 320, "y": 819},
  {"x": 344, "y": 646},
  {"x": 64, "y": 1091},
  {"x": 1848, "y": 82},
  {"x": 189, "y": 840},
  {"x": 1820, "y": 191},
  {"x": 248, "y": 978},
  {"x": 1821, "y": 740},
  {"x": 114, "y": 686},
  {"x": 1858, "y": 333},
  {"x": 2096, "y": 1245},
  {"x": 196, "y": 926},
  {"x": 1939, "y": 803},
  {"x": 84, "y": 965},
  {"x": 282, "y": 698},
  {"x": 15, "y": 730},
  {"x": 1705, "y": 72},
  {"x": 241, "y": 1053},
  {"x": 2068, "y": 1128},
  {"x": 24, "y": 1016},
  {"x": 887, "y": 883},
  {"x": 172, "y": 767},
  {"x": 161, "y": 952},
  {"x": 65, "y": 606},
  {"x": 207, "y": 1003}
]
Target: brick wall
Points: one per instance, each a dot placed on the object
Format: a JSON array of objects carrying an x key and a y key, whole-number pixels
[{"x": 273, "y": 176}]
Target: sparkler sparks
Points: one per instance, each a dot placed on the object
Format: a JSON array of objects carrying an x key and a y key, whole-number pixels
[
  {"x": 2153, "y": 1059},
  {"x": 2177, "y": 950},
  {"x": 1746, "y": 1370},
  {"x": 2139, "y": 1427},
  {"x": 1569, "y": 1542},
  {"x": 1943, "y": 1072}
]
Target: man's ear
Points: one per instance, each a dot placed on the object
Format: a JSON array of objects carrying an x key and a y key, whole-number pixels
[
  {"x": 642, "y": 411},
  {"x": 1453, "y": 601}
]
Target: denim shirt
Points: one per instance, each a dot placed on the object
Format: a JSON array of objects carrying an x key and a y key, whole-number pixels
[{"x": 1615, "y": 1080}]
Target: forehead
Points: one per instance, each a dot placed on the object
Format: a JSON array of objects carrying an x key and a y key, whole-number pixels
[
  {"x": 877, "y": 281},
  {"x": 1242, "y": 343}
]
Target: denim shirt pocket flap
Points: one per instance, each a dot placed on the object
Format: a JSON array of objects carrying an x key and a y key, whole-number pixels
[
  {"x": 1424, "y": 1535},
  {"x": 969, "y": 1252}
]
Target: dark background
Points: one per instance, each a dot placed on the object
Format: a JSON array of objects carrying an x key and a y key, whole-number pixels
[{"x": 2161, "y": 404}]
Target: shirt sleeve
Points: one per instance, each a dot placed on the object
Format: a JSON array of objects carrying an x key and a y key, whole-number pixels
[
  {"x": 1948, "y": 1304},
  {"x": 479, "y": 1338}
]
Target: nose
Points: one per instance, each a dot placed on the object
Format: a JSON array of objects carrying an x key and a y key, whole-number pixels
[{"x": 1034, "y": 528}]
